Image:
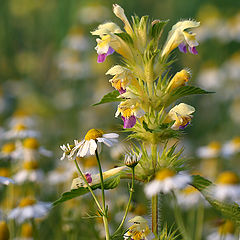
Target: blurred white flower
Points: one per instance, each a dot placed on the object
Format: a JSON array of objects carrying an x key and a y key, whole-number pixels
[
  {"x": 212, "y": 150},
  {"x": 231, "y": 147}
]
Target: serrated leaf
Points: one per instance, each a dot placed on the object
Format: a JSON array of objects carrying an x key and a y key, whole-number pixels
[
  {"x": 228, "y": 210},
  {"x": 125, "y": 37},
  {"x": 184, "y": 91},
  {"x": 157, "y": 28},
  {"x": 110, "y": 97},
  {"x": 109, "y": 183}
]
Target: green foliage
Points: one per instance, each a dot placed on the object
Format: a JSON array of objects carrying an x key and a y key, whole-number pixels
[
  {"x": 157, "y": 29},
  {"x": 183, "y": 91},
  {"x": 109, "y": 183},
  {"x": 110, "y": 97},
  {"x": 125, "y": 37},
  {"x": 228, "y": 210},
  {"x": 168, "y": 234}
]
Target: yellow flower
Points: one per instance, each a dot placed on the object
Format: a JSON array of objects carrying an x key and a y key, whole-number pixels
[
  {"x": 4, "y": 231},
  {"x": 179, "y": 79},
  {"x": 181, "y": 114},
  {"x": 226, "y": 228},
  {"x": 179, "y": 37}
]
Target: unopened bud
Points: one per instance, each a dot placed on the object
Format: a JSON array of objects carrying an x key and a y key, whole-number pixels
[{"x": 131, "y": 160}]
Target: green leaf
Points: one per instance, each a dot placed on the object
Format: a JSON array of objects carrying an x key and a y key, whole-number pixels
[
  {"x": 145, "y": 126},
  {"x": 184, "y": 91},
  {"x": 109, "y": 183},
  {"x": 157, "y": 28},
  {"x": 125, "y": 37},
  {"x": 228, "y": 210},
  {"x": 110, "y": 97}
]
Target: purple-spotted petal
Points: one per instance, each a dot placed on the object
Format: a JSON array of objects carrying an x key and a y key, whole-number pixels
[
  {"x": 129, "y": 122},
  {"x": 182, "y": 127},
  {"x": 193, "y": 50},
  {"x": 110, "y": 51},
  {"x": 121, "y": 91},
  {"x": 182, "y": 47},
  {"x": 101, "y": 58}
]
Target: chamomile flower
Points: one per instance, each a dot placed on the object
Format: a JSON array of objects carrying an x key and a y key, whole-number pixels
[
  {"x": 167, "y": 180},
  {"x": 231, "y": 147},
  {"x": 130, "y": 111},
  {"x": 225, "y": 232},
  {"x": 227, "y": 187},
  {"x": 29, "y": 208},
  {"x": 122, "y": 78},
  {"x": 8, "y": 151},
  {"x": 67, "y": 150},
  {"x": 139, "y": 230},
  {"x": 92, "y": 138},
  {"x": 106, "y": 32},
  {"x": 179, "y": 37},
  {"x": 181, "y": 114},
  {"x": 132, "y": 159},
  {"x": 212, "y": 150},
  {"x": 29, "y": 173}
]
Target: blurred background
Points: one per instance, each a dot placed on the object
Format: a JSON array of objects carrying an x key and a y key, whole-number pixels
[{"x": 49, "y": 73}]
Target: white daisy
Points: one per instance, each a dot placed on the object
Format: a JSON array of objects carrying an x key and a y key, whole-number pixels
[
  {"x": 132, "y": 159},
  {"x": 67, "y": 149},
  {"x": 167, "y": 180},
  {"x": 227, "y": 187},
  {"x": 29, "y": 173},
  {"x": 8, "y": 151},
  {"x": 212, "y": 150},
  {"x": 225, "y": 232},
  {"x": 89, "y": 144},
  {"x": 5, "y": 180},
  {"x": 29, "y": 208},
  {"x": 231, "y": 147}
]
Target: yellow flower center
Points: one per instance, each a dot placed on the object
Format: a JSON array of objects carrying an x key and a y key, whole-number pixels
[
  {"x": 30, "y": 165},
  {"x": 19, "y": 127},
  {"x": 31, "y": 143},
  {"x": 27, "y": 230},
  {"x": 20, "y": 113},
  {"x": 93, "y": 134},
  {"x": 214, "y": 145},
  {"x": 8, "y": 147},
  {"x": 228, "y": 178},
  {"x": 236, "y": 141},
  {"x": 26, "y": 202},
  {"x": 4, "y": 231},
  {"x": 227, "y": 227},
  {"x": 4, "y": 172},
  {"x": 189, "y": 190},
  {"x": 164, "y": 173}
]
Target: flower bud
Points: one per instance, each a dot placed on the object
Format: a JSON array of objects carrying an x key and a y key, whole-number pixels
[{"x": 131, "y": 160}]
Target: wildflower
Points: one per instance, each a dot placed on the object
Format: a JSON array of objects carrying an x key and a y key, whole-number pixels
[
  {"x": 181, "y": 114},
  {"x": 30, "y": 172},
  {"x": 26, "y": 232},
  {"x": 225, "y": 231},
  {"x": 67, "y": 149},
  {"x": 130, "y": 113},
  {"x": 139, "y": 230},
  {"x": 8, "y": 150},
  {"x": 227, "y": 187},
  {"x": 179, "y": 37},
  {"x": 4, "y": 231},
  {"x": 119, "y": 12},
  {"x": 4, "y": 177},
  {"x": 167, "y": 180},
  {"x": 122, "y": 78},
  {"x": 29, "y": 208},
  {"x": 94, "y": 179},
  {"x": 105, "y": 31},
  {"x": 231, "y": 147},
  {"x": 131, "y": 159},
  {"x": 212, "y": 150},
  {"x": 89, "y": 144},
  {"x": 179, "y": 79}
]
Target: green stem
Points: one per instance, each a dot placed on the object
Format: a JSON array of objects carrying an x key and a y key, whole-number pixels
[
  {"x": 155, "y": 214},
  {"x": 128, "y": 205},
  {"x": 106, "y": 227},
  {"x": 154, "y": 157},
  {"x": 199, "y": 224},
  {"x": 102, "y": 182},
  {"x": 88, "y": 186}
]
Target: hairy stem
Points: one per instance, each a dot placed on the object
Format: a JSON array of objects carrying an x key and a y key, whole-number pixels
[{"x": 155, "y": 214}]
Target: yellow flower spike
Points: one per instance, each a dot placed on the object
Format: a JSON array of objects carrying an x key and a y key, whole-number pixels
[
  {"x": 31, "y": 143},
  {"x": 228, "y": 177},
  {"x": 93, "y": 134},
  {"x": 226, "y": 228},
  {"x": 4, "y": 231},
  {"x": 26, "y": 202},
  {"x": 119, "y": 12},
  {"x": 164, "y": 173},
  {"x": 179, "y": 79},
  {"x": 27, "y": 230},
  {"x": 8, "y": 147},
  {"x": 189, "y": 190},
  {"x": 178, "y": 35}
]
